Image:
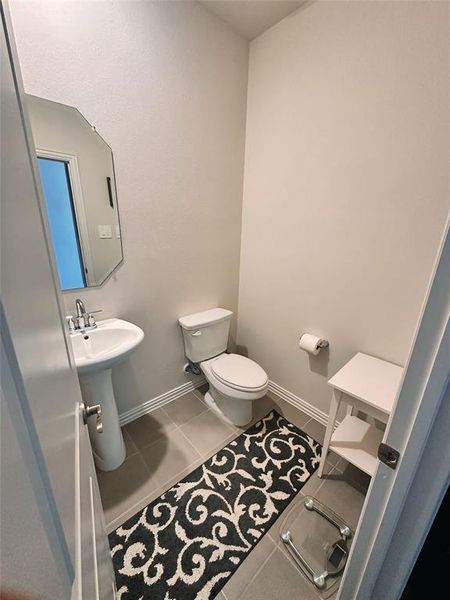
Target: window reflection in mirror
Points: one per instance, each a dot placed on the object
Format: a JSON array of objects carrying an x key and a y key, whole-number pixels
[
  {"x": 78, "y": 182},
  {"x": 57, "y": 190}
]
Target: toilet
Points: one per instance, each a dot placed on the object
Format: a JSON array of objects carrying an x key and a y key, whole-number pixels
[{"x": 234, "y": 381}]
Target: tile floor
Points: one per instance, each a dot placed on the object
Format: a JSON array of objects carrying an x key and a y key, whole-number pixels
[{"x": 167, "y": 444}]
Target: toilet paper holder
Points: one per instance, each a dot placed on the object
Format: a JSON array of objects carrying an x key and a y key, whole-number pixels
[
  {"x": 312, "y": 344},
  {"x": 323, "y": 344}
]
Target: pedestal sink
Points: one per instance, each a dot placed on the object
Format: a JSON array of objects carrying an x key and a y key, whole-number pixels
[{"x": 96, "y": 352}]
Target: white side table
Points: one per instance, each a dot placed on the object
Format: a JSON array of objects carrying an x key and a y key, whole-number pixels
[{"x": 370, "y": 385}]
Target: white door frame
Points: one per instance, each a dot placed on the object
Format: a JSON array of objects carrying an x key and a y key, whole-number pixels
[{"x": 424, "y": 384}]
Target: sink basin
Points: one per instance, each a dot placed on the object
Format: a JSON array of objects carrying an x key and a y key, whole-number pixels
[
  {"x": 96, "y": 352},
  {"x": 106, "y": 345}
]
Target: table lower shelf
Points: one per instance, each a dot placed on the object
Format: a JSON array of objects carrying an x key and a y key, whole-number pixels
[{"x": 357, "y": 441}]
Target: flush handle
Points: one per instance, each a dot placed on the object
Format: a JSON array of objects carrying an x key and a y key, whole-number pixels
[
  {"x": 196, "y": 333},
  {"x": 90, "y": 411}
]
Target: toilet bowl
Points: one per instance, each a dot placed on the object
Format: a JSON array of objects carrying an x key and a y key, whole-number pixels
[{"x": 234, "y": 381}]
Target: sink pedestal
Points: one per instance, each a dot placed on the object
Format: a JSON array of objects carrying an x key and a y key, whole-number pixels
[
  {"x": 108, "y": 446},
  {"x": 96, "y": 351}
]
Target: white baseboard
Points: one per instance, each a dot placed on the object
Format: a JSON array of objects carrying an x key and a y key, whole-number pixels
[
  {"x": 306, "y": 407},
  {"x": 154, "y": 403},
  {"x": 274, "y": 390}
]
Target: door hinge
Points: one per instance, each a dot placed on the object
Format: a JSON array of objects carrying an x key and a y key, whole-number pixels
[{"x": 388, "y": 455}]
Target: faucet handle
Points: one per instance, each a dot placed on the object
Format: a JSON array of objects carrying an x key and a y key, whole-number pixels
[
  {"x": 70, "y": 323},
  {"x": 81, "y": 322},
  {"x": 91, "y": 319}
]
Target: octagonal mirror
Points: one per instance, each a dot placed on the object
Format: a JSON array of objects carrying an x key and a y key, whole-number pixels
[{"x": 77, "y": 176}]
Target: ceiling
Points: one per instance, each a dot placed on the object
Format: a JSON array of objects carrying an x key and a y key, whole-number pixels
[{"x": 250, "y": 18}]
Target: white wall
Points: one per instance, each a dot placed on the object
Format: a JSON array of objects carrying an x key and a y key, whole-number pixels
[
  {"x": 165, "y": 84},
  {"x": 346, "y": 184}
]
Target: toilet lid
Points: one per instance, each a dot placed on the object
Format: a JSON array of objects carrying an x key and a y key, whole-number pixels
[{"x": 239, "y": 372}]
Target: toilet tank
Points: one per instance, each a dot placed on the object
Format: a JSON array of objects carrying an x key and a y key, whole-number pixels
[{"x": 205, "y": 334}]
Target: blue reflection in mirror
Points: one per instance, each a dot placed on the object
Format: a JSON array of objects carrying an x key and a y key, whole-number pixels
[{"x": 63, "y": 227}]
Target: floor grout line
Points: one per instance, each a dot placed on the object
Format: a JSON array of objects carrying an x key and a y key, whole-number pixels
[
  {"x": 177, "y": 477},
  {"x": 123, "y": 518},
  {"x": 314, "y": 591},
  {"x": 200, "y": 396},
  {"x": 191, "y": 443},
  {"x": 168, "y": 416},
  {"x": 207, "y": 455},
  {"x": 190, "y": 418},
  {"x": 252, "y": 579},
  {"x": 174, "y": 428},
  {"x": 166, "y": 436}
]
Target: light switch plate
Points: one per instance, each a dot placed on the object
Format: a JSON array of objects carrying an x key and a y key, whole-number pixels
[{"x": 104, "y": 231}]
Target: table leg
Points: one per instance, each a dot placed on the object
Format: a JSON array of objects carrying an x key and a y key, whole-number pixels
[{"x": 334, "y": 407}]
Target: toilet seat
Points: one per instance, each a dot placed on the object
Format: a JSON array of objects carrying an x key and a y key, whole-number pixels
[{"x": 239, "y": 373}]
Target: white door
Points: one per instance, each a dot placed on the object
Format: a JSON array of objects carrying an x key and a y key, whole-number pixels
[
  {"x": 53, "y": 542},
  {"x": 401, "y": 503}
]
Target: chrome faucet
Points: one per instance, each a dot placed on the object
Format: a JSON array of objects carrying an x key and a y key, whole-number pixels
[
  {"x": 81, "y": 309},
  {"x": 82, "y": 320}
]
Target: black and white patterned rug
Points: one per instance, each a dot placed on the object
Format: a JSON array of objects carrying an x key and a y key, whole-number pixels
[{"x": 188, "y": 542}]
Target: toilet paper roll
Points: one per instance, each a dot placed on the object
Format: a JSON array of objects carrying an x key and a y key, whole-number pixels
[{"x": 310, "y": 343}]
